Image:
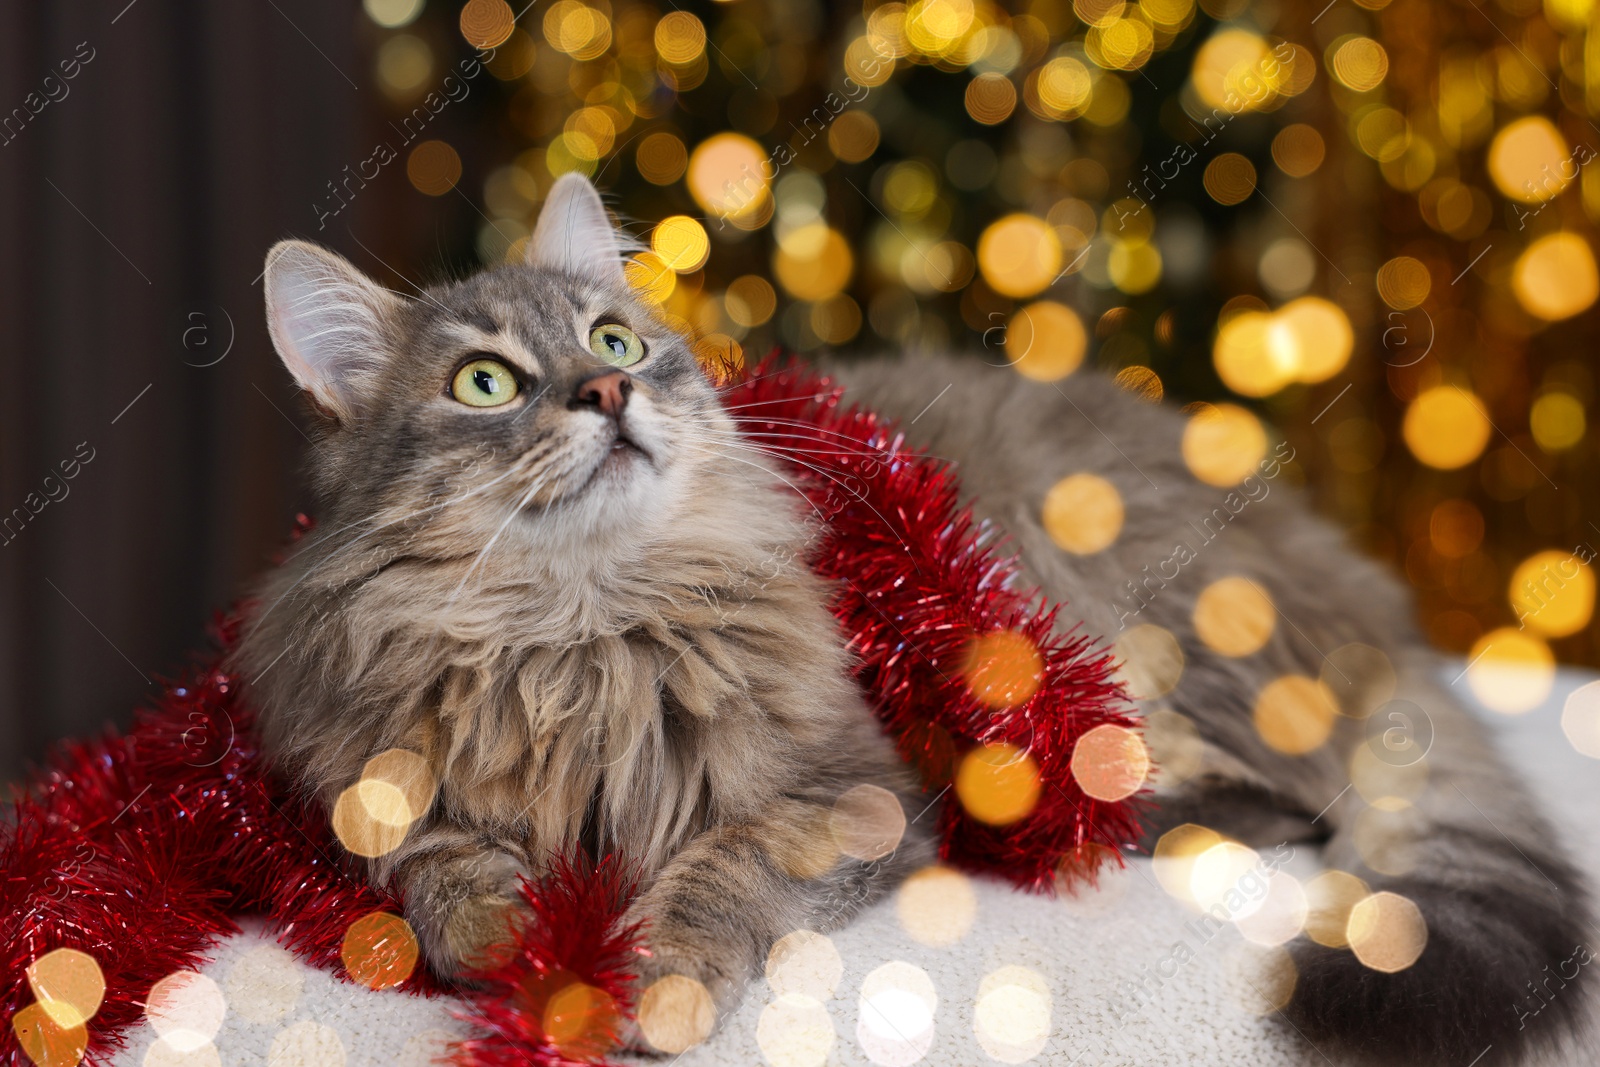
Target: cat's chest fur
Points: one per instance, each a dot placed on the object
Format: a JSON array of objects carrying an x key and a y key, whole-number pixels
[{"x": 628, "y": 720}]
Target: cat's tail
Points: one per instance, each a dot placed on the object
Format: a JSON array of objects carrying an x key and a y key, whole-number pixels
[{"x": 1507, "y": 965}]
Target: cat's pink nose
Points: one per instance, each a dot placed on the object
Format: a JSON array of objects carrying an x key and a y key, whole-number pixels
[{"x": 608, "y": 392}]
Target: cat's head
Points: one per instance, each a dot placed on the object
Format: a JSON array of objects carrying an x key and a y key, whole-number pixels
[{"x": 541, "y": 402}]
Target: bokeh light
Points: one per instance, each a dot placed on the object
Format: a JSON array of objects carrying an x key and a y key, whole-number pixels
[
  {"x": 1012, "y": 1014},
  {"x": 1446, "y": 427},
  {"x": 1580, "y": 719},
  {"x": 1555, "y": 277},
  {"x": 1045, "y": 341},
  {"x": 676, "y": 1013},
  {"x": 1387, "y": 932},
  {"x": 186, "y": 1009},
  {"x": 379, "y": 950},
  {"x": 1003, "y": 669},
  {"x": 1149, "y": 661},
  {"x": 998, "y": 784},
  {"x": 1019, "y": 255},
  {"x": 69, "y": 986},
  {"x": 1083, "y": 513},
  {"x": 1295, "y": 714},
  {"x": 1223, "y": 444},
  {"x": 1510, "y": 671},
  {"x": 1110, "y": 762},
  {"x": 1234, "y": 616},
  {"x": 936, "y": 906},
  {"x": 898, "y": 1009},
  {"x": 867, "y": 822}
]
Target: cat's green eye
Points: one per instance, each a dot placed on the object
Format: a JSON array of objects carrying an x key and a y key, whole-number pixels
[
  {"x": 484, "y": 383},
  {"x": 616, "y": 344}
]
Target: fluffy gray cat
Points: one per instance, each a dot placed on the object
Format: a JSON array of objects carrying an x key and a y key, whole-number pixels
[{"x": 548, "y": 565}]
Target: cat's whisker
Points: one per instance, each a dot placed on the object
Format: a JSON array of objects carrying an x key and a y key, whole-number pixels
[
  {"x": 336, "y": 553},
  {"x": 815, "y": 469}
]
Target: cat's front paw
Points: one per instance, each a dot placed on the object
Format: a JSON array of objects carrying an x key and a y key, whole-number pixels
[{"x": 466, "y": 911}]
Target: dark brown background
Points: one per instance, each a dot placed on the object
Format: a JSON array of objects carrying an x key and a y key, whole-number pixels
[{"x": 197, "y": 135}]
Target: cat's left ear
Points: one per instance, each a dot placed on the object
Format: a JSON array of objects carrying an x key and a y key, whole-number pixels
[
  {"x": 574, "y": 234},
  {"x": 326, "y": 318}
]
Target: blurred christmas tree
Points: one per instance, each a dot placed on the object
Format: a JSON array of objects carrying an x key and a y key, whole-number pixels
[{"x": 1368, "y": 223}]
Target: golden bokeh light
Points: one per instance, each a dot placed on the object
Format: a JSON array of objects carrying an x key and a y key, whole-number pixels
[
  {"x": 680, "y": 37},
  {"x": 676, "y": 1013},
  {"x": 1012, "y": 1015},
  {"x": 1223, "y": 444},
  {"x": 1234, "y": 616},
  {"x": 998, "y": 784},
  {"x": 1360, "y": 63},
  {"x": 1045, "y": 341},
  {"x": 580, "y": 1021},
  {"x": 1149, "y": 661},
  {"x": 1552, "y": 593},
  {"x": 936, "y": 906},
  {"x": 1298, "y": 150},
  {"x": 991, "y": 98},
  {"x": 854, "y": 136},
  {"x": 1555, "y": 277},
  {"x": 379, "y": 950},
  {"x": 47, "y": 1043},
  {"x": 867, "y": 822},
  {"x": 1247, "y": 360},
  {"x": 487, "y": 23},
  {"x": 804, "y": 963},
  {"x": 1331, "y": 896},
  {"x": 1083, "y": 513},
  {"x": 186, "y": 1009},
  {"x": 1110, "y": 762},
  {"x": 1230, "y": 178},
  {"x": 813, "y": 262},
  {"x": 1175, "y": 855},
  {"x": 1317, "y": 335},
  {"x": 1295, "y": 714},
  {"x": 1580, "y": 719},
  {"x": 1387, "y": 932},
  {"x": 1526, "y": 160},
  {"x": 1003, "y": 669},
  {"x": 392, "y": 14},
  {"x": 1510, "y": 671},
  {"x": 1142, "y": 382},
  {"x": 1404, "y": 282},
  {"x": 728, "y": 176},
  {"x": 1446, "y": 427},
  {"x": 433, "y": 167},
  {"x": 681, "y": 242},
  {"x": 1229, "y": 62},
  {"x": 1019, "y": 255},
  {"x": 750, "y": 300},
  {"x": 1558, "y": 421},
  {"x": 650, "y": 277},
  {"x": 577, "y": 29},
  {"x": 661, "y": 158},
  {"x": 69, "y": 986}
]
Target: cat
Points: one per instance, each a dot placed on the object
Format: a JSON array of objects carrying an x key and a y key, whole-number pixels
[
  {"x": 547, "y": 564},
  {"x": 537, "y": 569}
]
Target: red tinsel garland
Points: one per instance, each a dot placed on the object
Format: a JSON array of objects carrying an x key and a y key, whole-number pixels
[{"x": 140, "y": 849}]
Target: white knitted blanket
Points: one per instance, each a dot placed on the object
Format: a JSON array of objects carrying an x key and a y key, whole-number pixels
[{"x": 954, "y": 974}]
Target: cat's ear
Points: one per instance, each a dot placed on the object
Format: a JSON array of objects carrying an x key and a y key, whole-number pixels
[
  {"x": 574, "y": 234},
  {"x": 325, "y": 318}
]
